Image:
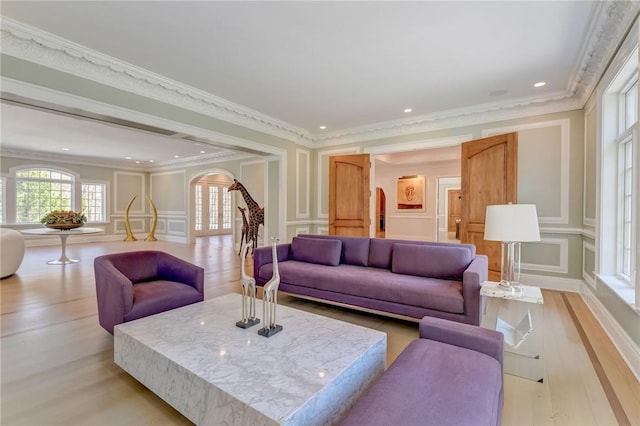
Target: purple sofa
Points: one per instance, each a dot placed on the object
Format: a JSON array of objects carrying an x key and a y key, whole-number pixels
[
  {"x": 137, "y": 284},
  {"x": 404, "y": 279},
  {"x": 451, "y": 375}
]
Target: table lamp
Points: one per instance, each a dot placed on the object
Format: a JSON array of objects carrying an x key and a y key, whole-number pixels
[{"x": 511, "y": 224}]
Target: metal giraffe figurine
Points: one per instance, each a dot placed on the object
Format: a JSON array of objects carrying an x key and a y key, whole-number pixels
[
  {"x": 248, "y": 294},
  {"x": 270, "y": 297}
]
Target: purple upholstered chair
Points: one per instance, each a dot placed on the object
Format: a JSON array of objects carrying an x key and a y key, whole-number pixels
[{"x": 137, "y": 284}]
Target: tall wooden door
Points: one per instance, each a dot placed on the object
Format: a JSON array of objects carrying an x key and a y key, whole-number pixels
[
  {"x": 349, "y": 195},
  {"x": 454, "y": 208},
  {"x": 489, "y": 176}
]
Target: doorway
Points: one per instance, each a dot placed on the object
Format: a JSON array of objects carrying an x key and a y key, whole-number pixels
[
  {"x": 212, "y": 205},
  {"x": 381, "y": 203},
  {"x": 449, "y": 208}
]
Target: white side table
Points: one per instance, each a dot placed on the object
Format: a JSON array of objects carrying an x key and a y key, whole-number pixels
[
  {"x": 63, "y": 234},
  {"x": 520, "y": 319}
]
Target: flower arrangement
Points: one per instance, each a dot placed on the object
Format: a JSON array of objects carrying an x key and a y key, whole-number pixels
[{"x": 64, "y": 217}]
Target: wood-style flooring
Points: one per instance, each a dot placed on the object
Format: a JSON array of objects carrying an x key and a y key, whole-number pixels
[{"x": 57, "y": 363}]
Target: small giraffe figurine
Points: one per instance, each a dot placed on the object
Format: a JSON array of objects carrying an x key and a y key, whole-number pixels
[
  {"x": 245, "y": 229},
  {"x": 256, "y": 213}
]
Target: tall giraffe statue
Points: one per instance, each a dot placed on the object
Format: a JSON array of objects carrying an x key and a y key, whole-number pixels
[
  {"x": 245, "y": 229},
  {"x": 256, "y": 213}
]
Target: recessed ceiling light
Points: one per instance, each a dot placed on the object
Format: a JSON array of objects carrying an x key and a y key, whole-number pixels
[
  {"x": 202, "y": 152},
  {"x": 408, "y": 110},
  {"x": 539, "y": 84},
  {"x": 176, "y": 156},
  {"x": 151, "y": 161},
  {"x": 137, "y": 162},
  {"x": 65, "y": 149},
  {"x": 127, "y": 158},
  {"x": 323, "y": 127}
]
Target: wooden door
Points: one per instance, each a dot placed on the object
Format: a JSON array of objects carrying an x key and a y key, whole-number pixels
[
  {"x": 489, "y": 176},
  {"x": 349, "y": 195},
  {"x": 454, "y": 208}
]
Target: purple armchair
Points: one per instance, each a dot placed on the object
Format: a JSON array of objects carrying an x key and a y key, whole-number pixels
[
  {"x": 451, "y": 375},
  {"x": 137, "y": 284}
]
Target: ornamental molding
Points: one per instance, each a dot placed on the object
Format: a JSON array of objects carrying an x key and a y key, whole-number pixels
[
  {"x": 609, "y": 24},
  {"x": 127, "y": 165}
]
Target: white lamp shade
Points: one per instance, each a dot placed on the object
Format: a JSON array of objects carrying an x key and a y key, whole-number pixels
[{"x": 511, "y": 222}]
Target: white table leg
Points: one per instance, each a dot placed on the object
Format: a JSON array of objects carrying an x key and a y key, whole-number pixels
[{"x": 64, "y": 260}]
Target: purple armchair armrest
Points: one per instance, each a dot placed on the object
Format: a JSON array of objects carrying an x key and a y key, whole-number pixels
[{"x": 488, "y": 342}]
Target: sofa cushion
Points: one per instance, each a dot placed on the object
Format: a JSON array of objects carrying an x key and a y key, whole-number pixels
[
  {"x": 355, "y": 250},
  {"x": 381, "y": 249},
  {"x": 372, "y": 283},
  {"x": 430, "y": 261},
  {"x": 315, "y": 250}
]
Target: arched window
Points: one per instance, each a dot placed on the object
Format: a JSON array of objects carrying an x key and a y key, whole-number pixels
[{"x": 41, "y": 190}]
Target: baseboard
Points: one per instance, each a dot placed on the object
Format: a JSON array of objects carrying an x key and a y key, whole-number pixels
[
  {"x": 628, "y": 350},
  {"x": 552, "y": 283}
]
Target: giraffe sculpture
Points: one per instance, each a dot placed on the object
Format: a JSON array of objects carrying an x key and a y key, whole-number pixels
[
  {"x": 256, "y": 213},
  {"x": 245, "y": 230},
  {"x": 248, "y": 294},
  {"x": 270, "y": 297}
]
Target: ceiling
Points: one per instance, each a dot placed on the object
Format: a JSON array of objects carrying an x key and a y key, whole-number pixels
[{"x": 342, "y": 65}]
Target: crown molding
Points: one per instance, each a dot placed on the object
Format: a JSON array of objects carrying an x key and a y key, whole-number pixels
[
  {"x": 127, "y": 165},
  {"x": 37, "y": 46},
  {"x": 609, "y": 23}
]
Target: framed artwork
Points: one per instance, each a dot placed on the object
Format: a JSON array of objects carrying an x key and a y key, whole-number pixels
[{"x": 410, "y": 193}]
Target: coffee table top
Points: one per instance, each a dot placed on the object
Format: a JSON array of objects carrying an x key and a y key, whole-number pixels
[{"x": 274, "y": 375}]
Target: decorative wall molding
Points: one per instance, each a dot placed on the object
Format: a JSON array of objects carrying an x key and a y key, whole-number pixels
[
  {"x": 562, "y": 267},
  {"x": 565, "y": 166},
  {"x": 301, "y": 230},
  {"x": 140, "y": 195},
  {"x": 183, "y": 179},
  {"x": 587, "y": 221},
  {"x": 137, "y": 225},
  {"x": 586, "y": 275},
  {"x": 608, "y": 25},
  {"x": 303, "y": 183},
  {"x": 176, "y": 227}
]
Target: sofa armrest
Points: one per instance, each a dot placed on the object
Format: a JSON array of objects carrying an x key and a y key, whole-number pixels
[
  {"x": 114, "y": 293},
  {"x": 262, "y": 256},
  {"x": 175, "y": 269},
  {"x": 472, "y": 278},
  {"x": 489, "y": 342}
]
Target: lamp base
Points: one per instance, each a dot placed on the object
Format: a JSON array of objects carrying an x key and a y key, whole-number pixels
[{"x": 513, "y": 288}]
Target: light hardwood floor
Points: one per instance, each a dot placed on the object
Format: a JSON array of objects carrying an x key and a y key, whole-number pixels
[{"x": 57, "y": 363}]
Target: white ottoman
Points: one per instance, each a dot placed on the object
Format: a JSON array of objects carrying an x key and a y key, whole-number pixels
[{"x": 11, "y": 251}]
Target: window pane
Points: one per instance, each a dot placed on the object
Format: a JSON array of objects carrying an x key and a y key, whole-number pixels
[
  {"x": 631, "y": 105},
  {"x": 213, "y": 207},
  {"x": 93, "y": 196},
  {"x": 198, "y": 207},
  {"x": 226, "y": 205}
]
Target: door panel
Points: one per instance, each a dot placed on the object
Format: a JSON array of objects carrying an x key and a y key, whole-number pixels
[
  {"x": 349, "y": 195},
  {"x": 489, "y": 176},
  {"x": 213, "y": 210}
]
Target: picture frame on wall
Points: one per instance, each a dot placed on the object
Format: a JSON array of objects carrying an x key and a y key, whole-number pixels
[{"x": 410, "y": 194}]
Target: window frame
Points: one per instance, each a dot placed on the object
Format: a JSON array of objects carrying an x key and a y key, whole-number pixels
[
  {"x": 105, "y": 205},
  {"x": 73, "y": 181},
  {"x": 614, "y": 131}
]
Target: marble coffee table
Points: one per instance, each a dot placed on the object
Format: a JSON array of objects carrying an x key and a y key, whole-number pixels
[{"x": 215, "y": 373}]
